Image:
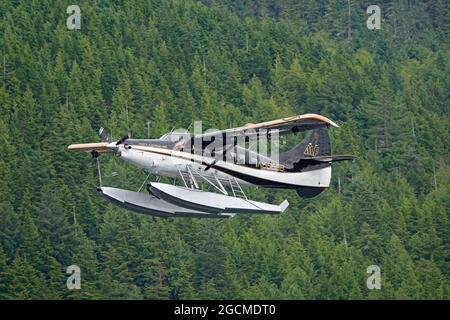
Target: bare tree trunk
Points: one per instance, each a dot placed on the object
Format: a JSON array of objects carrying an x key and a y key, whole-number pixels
[
  {"x": 349, "y": 21},
  {"x": 339, "y": 185},
  {"x": 434, "y": 178},
  {"x": 4, "y": 67}
]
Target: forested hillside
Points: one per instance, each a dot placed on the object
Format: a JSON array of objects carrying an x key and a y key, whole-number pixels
[{"x": 227, "y": 63}]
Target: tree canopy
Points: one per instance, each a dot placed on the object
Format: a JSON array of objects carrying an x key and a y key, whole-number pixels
[{"x": 227, "y": 63}]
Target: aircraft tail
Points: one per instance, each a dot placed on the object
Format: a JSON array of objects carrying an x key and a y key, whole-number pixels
[
  {"x": 316, "y": 143},
  {"x": 312, "y": 153}
]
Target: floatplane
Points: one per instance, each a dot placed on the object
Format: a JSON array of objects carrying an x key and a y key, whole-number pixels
[{"x": 222, "y": 162}]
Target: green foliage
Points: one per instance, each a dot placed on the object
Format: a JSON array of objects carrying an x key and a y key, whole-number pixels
[{"x": 227, "y": 63}]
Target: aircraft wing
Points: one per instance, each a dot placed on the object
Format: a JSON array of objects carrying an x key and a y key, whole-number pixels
[{"x": 283, "y": 125}]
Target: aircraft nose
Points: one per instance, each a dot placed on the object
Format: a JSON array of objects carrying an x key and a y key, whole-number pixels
[{"x": 113, "y": 146}]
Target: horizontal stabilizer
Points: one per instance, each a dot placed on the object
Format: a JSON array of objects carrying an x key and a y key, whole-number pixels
[{"x": 333, "y": 158}]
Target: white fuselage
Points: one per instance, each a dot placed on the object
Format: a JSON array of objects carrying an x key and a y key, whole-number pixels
[{"x": 172, "y": 163}]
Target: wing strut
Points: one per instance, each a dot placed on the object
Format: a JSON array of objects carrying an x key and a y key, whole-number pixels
[
  {"x": 143, "y": 183},
  {"x": 192, "y": 178},
  {"x": 182, "y": 178},
  {"x": 219, "y": 186}
]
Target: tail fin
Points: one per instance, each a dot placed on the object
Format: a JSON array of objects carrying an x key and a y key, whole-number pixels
[
  {"x": 312, "y": 153},
  {"x": 315, "y": 144}
]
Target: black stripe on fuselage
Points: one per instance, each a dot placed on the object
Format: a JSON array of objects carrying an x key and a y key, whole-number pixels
[{"x": 250, "y": 179}]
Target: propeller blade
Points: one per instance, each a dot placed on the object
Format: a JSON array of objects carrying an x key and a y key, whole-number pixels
[
  {"x": 124, "y": 138},
  {"x": 103, "y": 134}
]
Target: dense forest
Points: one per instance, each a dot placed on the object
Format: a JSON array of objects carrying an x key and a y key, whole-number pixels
[{"x": 226, "y": 63}]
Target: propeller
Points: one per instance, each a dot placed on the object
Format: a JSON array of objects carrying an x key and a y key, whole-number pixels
[
  {"x": 104, "y": 135},
  {"x": 98, "y": 148},
  {"x": 123, "y": 139}
]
